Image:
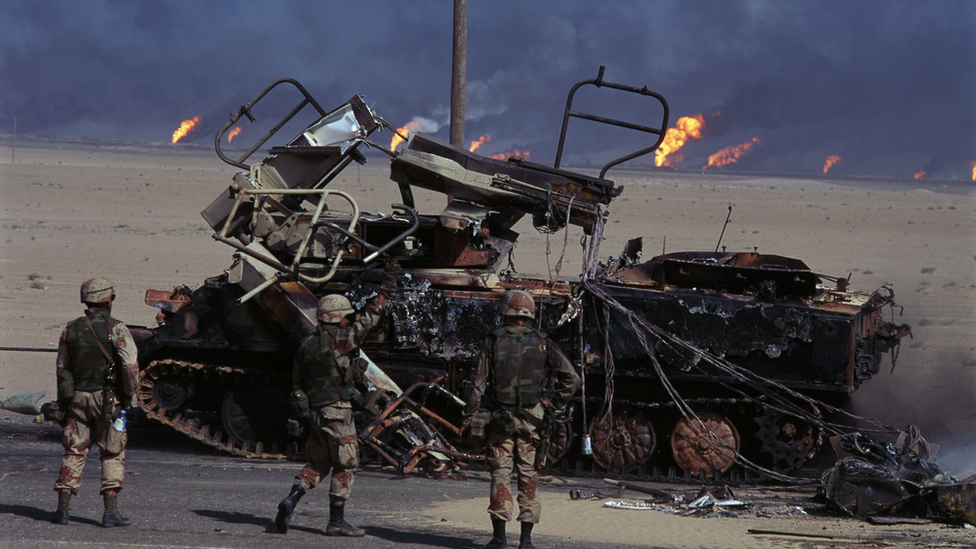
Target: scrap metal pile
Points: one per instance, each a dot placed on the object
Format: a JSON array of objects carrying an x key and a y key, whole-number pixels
[
  {"x": 695, "y": 364},
  {"x": 900, "y": 479}
]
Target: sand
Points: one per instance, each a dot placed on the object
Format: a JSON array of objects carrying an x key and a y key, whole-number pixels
[{"x": 73, "y": 210}]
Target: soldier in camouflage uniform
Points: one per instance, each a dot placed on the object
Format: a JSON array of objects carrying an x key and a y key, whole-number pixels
[
  {"x": 97, "y": 376},
  {"x": 511, "y": 372},
  {"x": 327, "y": 368}
]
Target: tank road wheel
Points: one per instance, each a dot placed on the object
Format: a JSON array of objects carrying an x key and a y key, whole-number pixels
[
  {"x": 255, "y": 413},
  {"x": 789, "y": 441},
  {"x": 561, "y": 440},
  {"x": 695, "y": 450},
  {"x": 626, "y": 439},
  {"x": 172, "y": 396}
]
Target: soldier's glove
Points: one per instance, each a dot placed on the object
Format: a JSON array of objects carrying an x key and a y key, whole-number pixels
[
  {"x": 389, "y": 285},
  {"x": 296, "y": 427},
  {"x": 56, "y": 411}
]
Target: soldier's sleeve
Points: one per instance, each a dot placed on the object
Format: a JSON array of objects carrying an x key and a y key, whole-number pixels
[
  {"x": 567, "y": 380},
  {"x": 358, "y": 365},
  {"x": 478, "y": 383},
  {"x": 128, "y": 354},
  {"x": 367, "y": 318},
  {"x": 64, "y": 358}
]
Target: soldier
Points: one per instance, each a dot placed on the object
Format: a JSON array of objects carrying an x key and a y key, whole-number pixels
[
  {"x": 327, "y": 368},
  {"x": 512, "y": 370},
  {"x": 97, "y": 376}
]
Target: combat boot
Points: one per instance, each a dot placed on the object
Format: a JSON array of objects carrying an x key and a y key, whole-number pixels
[
  {"x": 112, "y": 518},
  {"x": 287, "y": 506},
  {"x": 525, "y": 541},
  {"x": 338, "y": 525},
  {"x": 61, "y": 515},
  {"x": 497, "y": 534}
]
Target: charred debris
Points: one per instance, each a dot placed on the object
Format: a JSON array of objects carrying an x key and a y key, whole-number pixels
[{"x": 696, "y": 365}]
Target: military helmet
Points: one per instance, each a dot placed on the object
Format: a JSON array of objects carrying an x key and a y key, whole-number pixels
[
  {"x": 97, "y": 290},
  {"x": 519, "y": 303},
  {"x": 333, "y": 308}
]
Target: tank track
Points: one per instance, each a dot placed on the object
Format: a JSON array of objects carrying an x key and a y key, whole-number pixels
[
  {"x": 658, "y": 468},
  {"x": 184, "y": 420}
]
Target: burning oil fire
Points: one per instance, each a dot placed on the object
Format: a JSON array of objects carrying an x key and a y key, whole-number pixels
[
  {"x": 730, "y": 155},
  {"x": 233, "y": 133},
  {"x": 506, "y": 155},
  {"x": 405, "y": 130},
  {"x": 479, "y": 142},
  {"x": 974, "y": 170},
  {"x": 831, "y": 160},
  {"x": 412, "y": 126},
  {"x": 185, "y": 127},
  {"x": 920, "y": 174},
  {"x": 684, "y": 130},
  {"x": 418, "y": 124},
  {"x": 497, "y": 156}
]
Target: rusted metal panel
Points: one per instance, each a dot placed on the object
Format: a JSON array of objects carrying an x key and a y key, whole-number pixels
[{"x": 169, "y": 302}]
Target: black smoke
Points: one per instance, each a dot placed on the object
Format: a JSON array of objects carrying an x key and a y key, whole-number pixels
[{"x": 890, "y": 86}]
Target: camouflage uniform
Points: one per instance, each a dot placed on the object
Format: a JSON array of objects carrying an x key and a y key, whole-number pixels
[
  {"x": 85, "y": 416},
  {"x": 329, "y": 381},
  {"x": 512, "y": 370},
  {"x": 327, "y": 367}
]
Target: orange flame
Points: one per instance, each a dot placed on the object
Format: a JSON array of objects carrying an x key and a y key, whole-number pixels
[
  {"x": 974, "y": 170},
  {"x": 411, "y": 126},
  {"x": 479, "y": 142},
  {"x": 730, "y": 155},
  {"x": 920, "y": 174},
  {"x": 831, "y": 160},
  {"x": 233, "y": 133},
  {"x": 505, "y": 155},
  {"x": 185, "y": 127},
  {"x": 684, "y": 130}
]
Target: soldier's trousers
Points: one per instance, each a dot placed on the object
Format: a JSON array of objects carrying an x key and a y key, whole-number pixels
[
  {"x": 511, "y": 445},
  {"x": 84, "y": 425},
  {"x": 332, "y": 447}
]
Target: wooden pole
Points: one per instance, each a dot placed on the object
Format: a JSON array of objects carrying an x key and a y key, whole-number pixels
[
  {"x": 13, "y": 149},
  {"x": 458, "y": 69}
]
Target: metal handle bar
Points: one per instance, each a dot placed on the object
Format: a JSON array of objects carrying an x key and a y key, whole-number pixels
[{"x": 598, "y": 82}]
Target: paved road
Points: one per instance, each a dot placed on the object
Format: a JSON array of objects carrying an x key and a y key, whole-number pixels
[{"x": 181, "y": 494}]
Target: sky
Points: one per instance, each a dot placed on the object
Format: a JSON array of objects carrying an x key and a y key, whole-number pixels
[{"x": 888, "y": 86}]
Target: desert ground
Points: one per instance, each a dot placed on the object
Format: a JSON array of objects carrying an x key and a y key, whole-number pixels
[{"x": 70, "y": 210}]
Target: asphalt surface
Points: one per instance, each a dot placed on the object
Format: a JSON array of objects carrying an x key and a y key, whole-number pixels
[{"x": 182, "y": 494}]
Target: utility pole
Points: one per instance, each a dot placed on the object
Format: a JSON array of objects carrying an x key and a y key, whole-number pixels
[
  {"x": 13, "y": 149},
  {"x": 458, "y": 69}
]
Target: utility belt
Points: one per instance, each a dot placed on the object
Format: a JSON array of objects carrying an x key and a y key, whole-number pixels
[
  {"x": 327, "y": 396},
  {"x": 504, "y": 417},
  {"x": 111, "y": 404},
  {"x": 519, "y": 409}
]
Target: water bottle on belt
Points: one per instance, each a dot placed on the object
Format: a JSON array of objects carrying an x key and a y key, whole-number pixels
[{"x": 118, "y": 420}]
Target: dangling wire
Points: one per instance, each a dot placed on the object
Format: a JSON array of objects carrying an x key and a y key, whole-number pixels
[
  {"x": 562, "y": 256},
  {"x": 774, "y": 392}
]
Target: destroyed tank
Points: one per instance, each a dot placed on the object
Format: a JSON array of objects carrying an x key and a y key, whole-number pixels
[{"x": 695, "y": 364}]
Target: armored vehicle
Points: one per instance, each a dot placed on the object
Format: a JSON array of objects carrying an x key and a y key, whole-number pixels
[{"x": 695, "y": 364}]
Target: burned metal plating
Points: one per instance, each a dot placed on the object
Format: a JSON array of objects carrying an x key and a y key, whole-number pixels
[{"x": 729, "y": 355}]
